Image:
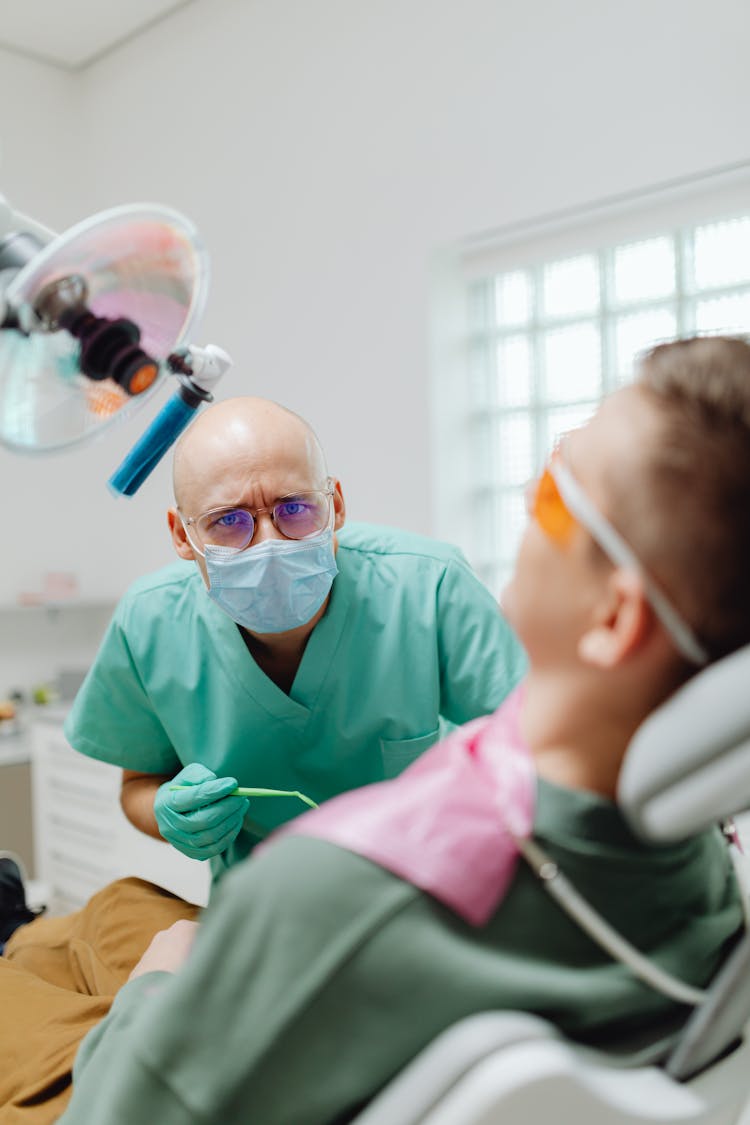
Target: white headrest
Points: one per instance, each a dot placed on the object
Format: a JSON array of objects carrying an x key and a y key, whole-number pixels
[{"x": 688, "y": 765}]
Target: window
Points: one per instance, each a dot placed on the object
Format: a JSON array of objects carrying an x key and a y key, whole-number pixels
[{"x": 542, "y": 341}]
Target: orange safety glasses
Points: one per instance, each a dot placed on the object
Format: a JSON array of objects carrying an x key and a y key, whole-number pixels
[{"x": 545, "y": 504}]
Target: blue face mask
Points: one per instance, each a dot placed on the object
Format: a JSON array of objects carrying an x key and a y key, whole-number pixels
[{"x": 276, "y": 586}]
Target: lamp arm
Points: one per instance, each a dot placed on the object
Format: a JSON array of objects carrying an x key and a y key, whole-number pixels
[{"x": 15, "y": 222}]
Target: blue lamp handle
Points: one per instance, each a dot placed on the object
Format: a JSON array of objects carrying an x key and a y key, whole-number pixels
[{"x": 154, "y": 443}]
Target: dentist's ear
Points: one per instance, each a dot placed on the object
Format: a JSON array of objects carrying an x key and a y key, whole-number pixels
[
  {"x": 339, "y": 505},
  {"x": 625, "y": 621},
  {"x": 180, "y": 540}
]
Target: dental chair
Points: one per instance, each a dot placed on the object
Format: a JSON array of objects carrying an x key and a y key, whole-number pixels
[{"x": 687, "y": 767}]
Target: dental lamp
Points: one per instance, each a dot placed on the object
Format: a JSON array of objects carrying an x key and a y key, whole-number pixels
[{"x": 92, "y": 321}]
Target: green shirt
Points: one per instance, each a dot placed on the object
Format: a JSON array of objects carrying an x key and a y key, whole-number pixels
[
  {"x": 410, "y": 645},
  {"x": 317, "y": 975}
]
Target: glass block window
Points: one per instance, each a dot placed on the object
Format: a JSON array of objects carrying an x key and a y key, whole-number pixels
[{"x": 547, "y": 342}]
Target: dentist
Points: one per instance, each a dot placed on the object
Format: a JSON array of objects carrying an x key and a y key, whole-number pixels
[{"x": 284, "y": 651}]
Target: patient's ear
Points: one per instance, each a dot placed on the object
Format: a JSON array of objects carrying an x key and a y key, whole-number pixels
[
  {"x": 625, "y": 621},
  {"x": 179, "y": 538}
]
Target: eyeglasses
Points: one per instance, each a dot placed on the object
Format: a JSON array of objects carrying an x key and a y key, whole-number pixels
[
  {"x": 557, "y": 503},
  {"x": 298, "y": 516}
]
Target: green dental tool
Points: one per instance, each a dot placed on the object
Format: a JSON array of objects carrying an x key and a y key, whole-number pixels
[{"x": 242, "y": 792}]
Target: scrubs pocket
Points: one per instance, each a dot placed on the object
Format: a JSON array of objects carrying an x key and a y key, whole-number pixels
[{"x": 398, "y": 753}]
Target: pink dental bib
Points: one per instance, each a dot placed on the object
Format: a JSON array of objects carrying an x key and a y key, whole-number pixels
[{"x": 447, "y": 824}]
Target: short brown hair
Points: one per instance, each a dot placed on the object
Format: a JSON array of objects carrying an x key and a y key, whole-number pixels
[{"x": 698, "y": 480}]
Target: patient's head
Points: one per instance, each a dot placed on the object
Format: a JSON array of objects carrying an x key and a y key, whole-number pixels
[
  {"x": 667, "y": 462},
  {"x": 692, "y": 527}
]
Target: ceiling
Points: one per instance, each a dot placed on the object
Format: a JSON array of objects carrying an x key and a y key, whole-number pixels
[{"x": 71, "y": 34}]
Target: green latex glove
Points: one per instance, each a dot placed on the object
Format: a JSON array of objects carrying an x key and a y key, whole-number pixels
[{"x": 200, "y": 818}]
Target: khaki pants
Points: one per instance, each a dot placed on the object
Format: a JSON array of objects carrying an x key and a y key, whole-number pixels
[{"x": 58, "y": 978}]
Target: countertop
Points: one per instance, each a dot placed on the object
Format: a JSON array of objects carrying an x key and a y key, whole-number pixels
[{"x": 16, "y": 747}]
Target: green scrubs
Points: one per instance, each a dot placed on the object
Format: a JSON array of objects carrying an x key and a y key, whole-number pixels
[
  {"x": 317, "y": 975},
  {"x": 410, "y": 645}
]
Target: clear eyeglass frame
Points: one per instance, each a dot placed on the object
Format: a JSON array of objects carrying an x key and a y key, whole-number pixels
[{"x": 193, "y": 533}]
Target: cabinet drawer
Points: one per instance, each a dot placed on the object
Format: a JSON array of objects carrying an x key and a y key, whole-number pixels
[
  {"x": 58, "y": 786},
  {"x": 65, "y": 829},
  {"x": 82, "y": 838}
]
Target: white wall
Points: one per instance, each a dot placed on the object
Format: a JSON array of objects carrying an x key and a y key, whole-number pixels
[
  {"x": 326, "y": 151},
  {"x": 39, "y": 144}
]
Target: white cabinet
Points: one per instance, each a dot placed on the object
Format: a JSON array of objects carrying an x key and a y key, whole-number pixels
[{"x": 82, "y": 839}]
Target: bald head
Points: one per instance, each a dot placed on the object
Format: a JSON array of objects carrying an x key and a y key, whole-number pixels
[{"x": 245, "y": 450}]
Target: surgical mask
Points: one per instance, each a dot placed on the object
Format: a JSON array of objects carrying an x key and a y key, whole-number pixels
[{"x": 276, "y": 586}]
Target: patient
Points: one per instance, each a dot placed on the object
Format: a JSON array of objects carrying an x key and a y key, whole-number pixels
[{"x": 343, "y": 947}]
